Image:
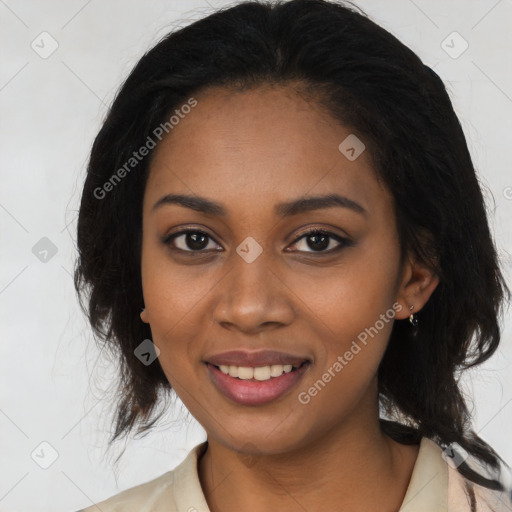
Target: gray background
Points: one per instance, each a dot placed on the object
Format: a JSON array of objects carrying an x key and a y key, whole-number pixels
[{"x": 54, "y": 380}]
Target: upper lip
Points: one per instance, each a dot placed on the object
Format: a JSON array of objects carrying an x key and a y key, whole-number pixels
[{"x": 261, "y": 358}]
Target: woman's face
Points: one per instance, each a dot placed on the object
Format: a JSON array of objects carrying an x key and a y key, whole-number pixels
[{"x": 256, "y": 281}]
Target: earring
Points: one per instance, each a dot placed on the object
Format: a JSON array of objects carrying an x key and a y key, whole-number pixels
[{"x": 413, "y": 319}]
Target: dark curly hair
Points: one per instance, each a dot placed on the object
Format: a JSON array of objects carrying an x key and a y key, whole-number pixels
[{"x": 368, "y": 80}]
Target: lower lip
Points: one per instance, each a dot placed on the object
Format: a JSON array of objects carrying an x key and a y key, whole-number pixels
[{"x": 252, "y": 391}]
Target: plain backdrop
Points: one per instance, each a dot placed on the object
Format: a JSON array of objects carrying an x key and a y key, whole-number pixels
[{"x": 62, "y": 63}]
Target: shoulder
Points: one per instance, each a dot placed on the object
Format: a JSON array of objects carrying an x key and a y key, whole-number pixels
[
  {"x": 139, "y": 496},
  {"x": 492, "y": 490},
  {"x": 164, "y": 493},
  {"x": 439, "y": 482}
]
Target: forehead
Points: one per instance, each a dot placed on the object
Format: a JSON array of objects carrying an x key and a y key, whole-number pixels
[{"x": 269, "y": 142}]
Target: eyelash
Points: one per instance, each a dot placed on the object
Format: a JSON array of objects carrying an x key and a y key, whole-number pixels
[{"x": 344, "y": 242}]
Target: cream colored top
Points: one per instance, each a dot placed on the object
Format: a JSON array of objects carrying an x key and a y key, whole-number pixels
[{"x": 435, "y": 486}]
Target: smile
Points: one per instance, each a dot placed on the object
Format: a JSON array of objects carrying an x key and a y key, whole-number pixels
[
  {"x": 256, "y": 385},
  {"x": 260, "y": 373}
]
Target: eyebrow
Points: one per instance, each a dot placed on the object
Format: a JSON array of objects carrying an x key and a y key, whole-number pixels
[{"x": 286, "y": 209}]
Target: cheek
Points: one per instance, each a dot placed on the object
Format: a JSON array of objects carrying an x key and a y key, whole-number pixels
[
  {"x": 169, "y": 300},
  {"x": 354, "y": 312},
  {"x": 349, "y": 355},
  {"x": 358, "y": 341},
  {"x": 353, "y": 295},
  {"x": 171, "y": 291}
]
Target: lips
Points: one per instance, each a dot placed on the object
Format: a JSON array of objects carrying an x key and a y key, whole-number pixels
[
  {"x": 255, "y": 359},
  {"x": 254, "y": 392}
]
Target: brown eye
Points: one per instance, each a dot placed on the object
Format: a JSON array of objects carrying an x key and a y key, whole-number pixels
[
  {"x": 190, "y": 240},
  {"x": 319, "y": 240}
]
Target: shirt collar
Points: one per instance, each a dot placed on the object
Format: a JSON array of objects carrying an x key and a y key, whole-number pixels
[{"x": 428, "y": 487}]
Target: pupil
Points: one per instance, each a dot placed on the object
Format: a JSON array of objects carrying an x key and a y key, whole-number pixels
[
  {"x": 321, "y": 245},
  {"x": 194, "y": 237}
]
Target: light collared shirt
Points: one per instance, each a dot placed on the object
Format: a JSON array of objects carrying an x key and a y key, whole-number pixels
[{"x": 435, "y": 486}]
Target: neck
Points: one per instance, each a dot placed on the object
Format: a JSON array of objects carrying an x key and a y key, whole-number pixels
[{"x": 356, "y": 468}]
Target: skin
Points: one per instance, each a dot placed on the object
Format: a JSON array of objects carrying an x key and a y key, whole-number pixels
[{"x": 249, "y": 151}]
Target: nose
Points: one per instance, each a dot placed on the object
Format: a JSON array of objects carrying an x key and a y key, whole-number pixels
[{"x": 253, "y": 297}]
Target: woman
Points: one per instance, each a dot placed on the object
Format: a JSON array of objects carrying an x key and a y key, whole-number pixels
[{"x": 281, "y": 222}]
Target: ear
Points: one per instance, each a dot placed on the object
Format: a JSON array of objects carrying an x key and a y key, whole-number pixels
[
  {"x": 144, "y": 316},
  {"x": 417, "y": 285}
]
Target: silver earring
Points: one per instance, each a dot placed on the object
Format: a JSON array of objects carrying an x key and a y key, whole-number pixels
[{"x": 413, "y": 319}]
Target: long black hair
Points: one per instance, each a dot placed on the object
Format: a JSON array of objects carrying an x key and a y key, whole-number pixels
[{"x": 368, "y": 80}]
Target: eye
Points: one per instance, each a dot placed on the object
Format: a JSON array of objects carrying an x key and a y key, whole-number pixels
[
  {"x": 197, "y": 241},
  {"x": 189, "y": 240},
  {"x": 319, "y": 240}
]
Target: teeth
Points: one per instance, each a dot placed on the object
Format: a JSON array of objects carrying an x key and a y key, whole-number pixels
[
  {"x": 245, "y": 373},
  {"x": 261, "y": 373},
  {"x": 258, "y": 373}
]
